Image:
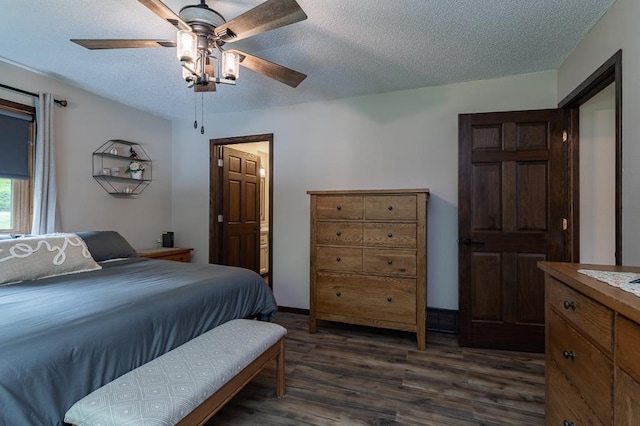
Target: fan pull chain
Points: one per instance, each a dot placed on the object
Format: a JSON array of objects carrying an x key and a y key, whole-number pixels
[
  {"x": 202, "y": 113},
  {"x": 195, "y": 111}
]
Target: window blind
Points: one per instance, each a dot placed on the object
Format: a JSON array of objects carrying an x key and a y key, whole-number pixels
[{"x": 14, "y": 145}]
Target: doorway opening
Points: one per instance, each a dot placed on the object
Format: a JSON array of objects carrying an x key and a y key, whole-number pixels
[
  {"x": 241, "y": 208},
  {"x": 609, "y": 74},
  {"x": 597, "y": 179}
]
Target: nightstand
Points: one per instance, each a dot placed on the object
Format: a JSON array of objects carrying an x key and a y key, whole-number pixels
[{"x": 167, "y": 253}]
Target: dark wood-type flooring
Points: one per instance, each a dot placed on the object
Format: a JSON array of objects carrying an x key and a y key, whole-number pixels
[{"x": 349, "y": 375}]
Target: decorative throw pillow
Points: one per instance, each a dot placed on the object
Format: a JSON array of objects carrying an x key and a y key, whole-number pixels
[
  {"x": 31, "y": 258},
  {"x": 107, "y": 245}
]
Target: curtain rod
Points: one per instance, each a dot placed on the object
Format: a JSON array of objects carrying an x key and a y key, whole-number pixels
[{"x": 61, "y": 102}]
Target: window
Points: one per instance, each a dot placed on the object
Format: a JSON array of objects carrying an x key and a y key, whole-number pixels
[{"x": 16, "y": 124}]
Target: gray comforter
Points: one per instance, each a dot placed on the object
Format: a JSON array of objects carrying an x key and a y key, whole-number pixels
[{"x": 63, "y": 337}]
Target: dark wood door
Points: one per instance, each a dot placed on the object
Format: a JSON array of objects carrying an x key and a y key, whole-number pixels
[
  {"x": 510, "y": 216},
  {"x": 241, "y": 209}
]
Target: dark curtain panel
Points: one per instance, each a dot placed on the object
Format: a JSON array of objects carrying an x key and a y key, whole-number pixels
[{"x": 14, "y": 145}]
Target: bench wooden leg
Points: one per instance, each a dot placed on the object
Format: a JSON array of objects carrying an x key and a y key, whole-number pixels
[{"x": 280, "y": 374}]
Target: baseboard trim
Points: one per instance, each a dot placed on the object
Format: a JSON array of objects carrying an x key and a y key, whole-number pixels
[
  {"x": 440, "y": 320},
  {"x": 293, "y": 310}
]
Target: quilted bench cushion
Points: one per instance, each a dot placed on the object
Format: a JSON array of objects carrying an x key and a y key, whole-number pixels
[{"x": 163, "y": 391}]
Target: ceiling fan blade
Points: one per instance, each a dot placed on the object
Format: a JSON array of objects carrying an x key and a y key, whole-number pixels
[
  {"x": 267, "y": 16},
  {"x": 211, "y": 87},
  {"x": 94, "y": 44},
  {"x": 160, "y": 9},
  {"x": 277, "y": 72}
]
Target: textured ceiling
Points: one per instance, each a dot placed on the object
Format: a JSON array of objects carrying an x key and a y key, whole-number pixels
[{"x": 346, "y": 47}]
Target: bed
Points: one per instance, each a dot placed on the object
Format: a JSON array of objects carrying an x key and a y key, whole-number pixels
[{"x": 63, "y": 336}]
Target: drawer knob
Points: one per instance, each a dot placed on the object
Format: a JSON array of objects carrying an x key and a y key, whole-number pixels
[
  {"x": 390, "y": 208},
  {"x": 339, "y": 207},
  {"x": 389, "y": 299},
  {"x": 390, "y": 262},
  {"x": 569, "y": 354},
  {"x": 338, "y": 233},
  {"x": 338, "y": 294},
  {"x": 338, "y": 259},
  {"x": 569, "y": 305},
  {"x": 390, "y": 234},
  {"x": 568, "y": 423}
]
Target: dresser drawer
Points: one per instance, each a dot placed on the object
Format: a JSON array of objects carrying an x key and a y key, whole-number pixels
[
  {"x": 563, "y": 401},
  {"x": 348, "y": 207},
  {"x": 583, "y": 313},
  {"x": 390, "y": 207},
  {"x": 390, "y": 235},
  {"x": 583, "y": 364},
  {"x": 339, "y": 233},
  {"x": 628, "y": 346},
  {"x": 397, "y": 262},
  {"x": 376, "y": 298},
  {"x": 182, "y": 257},
  {"x": 339, "y": 259},
  {"x": 175, "y": 254}
]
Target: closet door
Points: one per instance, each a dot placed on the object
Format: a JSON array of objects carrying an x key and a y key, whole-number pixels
[{"x": 510, "y": 216}]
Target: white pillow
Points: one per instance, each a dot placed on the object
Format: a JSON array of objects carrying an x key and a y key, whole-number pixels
[{"x": 43, "y": 256}]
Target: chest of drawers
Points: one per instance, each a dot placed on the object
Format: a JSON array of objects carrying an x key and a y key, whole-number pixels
[
  {"x": 368, "y": 256},
  {"x": 592, "y": 348}
]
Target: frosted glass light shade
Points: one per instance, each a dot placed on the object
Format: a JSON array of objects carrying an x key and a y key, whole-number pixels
[
  {"x": 186, "y": 74},
  {"x": 186, "y": 46},
  {"x": 230, "y": 65}
]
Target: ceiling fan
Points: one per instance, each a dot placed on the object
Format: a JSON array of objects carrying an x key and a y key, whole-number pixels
[{"x": 202, "y": 32}]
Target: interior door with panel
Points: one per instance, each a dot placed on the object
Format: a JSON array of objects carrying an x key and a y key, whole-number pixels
[
  {"x": 241, "y": 209},
  {"x": 510, "y": 216}
]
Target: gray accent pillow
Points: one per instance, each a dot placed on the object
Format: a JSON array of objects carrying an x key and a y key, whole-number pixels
[
  {"x": 107, "y": 245},
  {"x": 32, "y": 258}
]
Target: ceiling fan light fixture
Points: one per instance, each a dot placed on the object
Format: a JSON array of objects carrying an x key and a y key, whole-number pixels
[
  {"x": 201, "y": 14},
  {"x": 203, "y": 31},
  {"x": 187, "y": 44},
  {"x": 230, "y": 65},
  {"x": 187, "y": 74}
]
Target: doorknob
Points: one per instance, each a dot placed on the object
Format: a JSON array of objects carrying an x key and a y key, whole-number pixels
[{"x": 470, "y": 242}]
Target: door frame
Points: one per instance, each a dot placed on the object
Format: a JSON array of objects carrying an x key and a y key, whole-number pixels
[
  {"x": 608, "y": 73},
  {"x": 215, "y": 200}
]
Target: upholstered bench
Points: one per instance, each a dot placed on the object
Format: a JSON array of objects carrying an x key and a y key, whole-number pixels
[{"x": 189, "y": 384}]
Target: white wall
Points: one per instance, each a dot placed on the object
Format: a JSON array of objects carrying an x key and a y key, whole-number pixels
[
  {"x": 86, "y": 123},
  {"x": 598, "y": 179},
  {"x": 405, "y": 139},
  {"x": 617, "y": 29}
]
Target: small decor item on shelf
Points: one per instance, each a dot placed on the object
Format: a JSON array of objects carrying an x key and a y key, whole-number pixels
[
  {"x": 114, "y": 151},
  {"x": 133, "y": 154},
  {"x": 135, "y": 168}
]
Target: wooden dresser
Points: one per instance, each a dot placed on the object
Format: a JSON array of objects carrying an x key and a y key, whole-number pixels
[
  {"x": 592, "y": 348},
  {"x": 369, "y": 259},
  {"x": 176, "y": 254}
]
